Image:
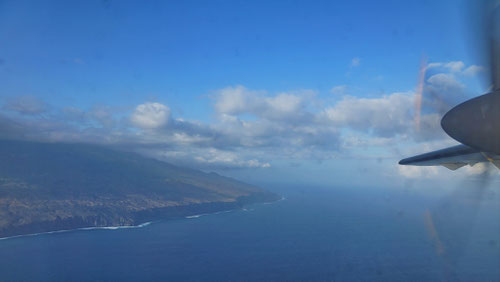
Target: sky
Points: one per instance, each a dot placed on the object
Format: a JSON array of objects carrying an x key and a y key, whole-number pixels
[{"x": 319, "y": 92}]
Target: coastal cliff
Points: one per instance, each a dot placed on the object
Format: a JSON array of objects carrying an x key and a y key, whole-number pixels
[{"x": 49, "y": 187}]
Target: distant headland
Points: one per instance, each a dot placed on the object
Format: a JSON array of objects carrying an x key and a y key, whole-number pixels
[{"x": 48, "y": 187}]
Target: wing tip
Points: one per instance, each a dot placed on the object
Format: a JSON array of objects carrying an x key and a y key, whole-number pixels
[
  {"x": 404, "y": 162},
  {"x": 439, "y": 156}
]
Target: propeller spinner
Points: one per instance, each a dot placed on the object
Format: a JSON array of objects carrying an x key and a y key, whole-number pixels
[{"x": 476, "y": 122}]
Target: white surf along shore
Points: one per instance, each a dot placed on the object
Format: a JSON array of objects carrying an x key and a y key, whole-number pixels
[
  {"x": 129, "y": 226},
  {"x": 242, "y": 209},
  {"x": 83, "y": 228}
]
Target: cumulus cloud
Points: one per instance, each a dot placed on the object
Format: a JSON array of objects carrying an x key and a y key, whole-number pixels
[
  {"x": 473, "y": 70},
  {"x": 150, "y": 115},
  {"x": 204, "y": 157},
  {"x": 234, "y": 101},
  {"x": 283, "y": 105},
  {"x": 435, "y": 172},
  {"x": 419, "y": 172},
  {"x": 26, "y": 105},
  {"x": 285, "y": 126},
  {"x": 339, "y": 90},
  {"x": 355, "y": 62},
  {"x": 454, "y": 66},
  {"x": 253, "y": 128},
  {"x": 231, "y": 102},
  {"x": 228, "y": 159},
  {"x": 428, "y": 128},
  {"x": 103, "y": 115},
  {"x": 443, "y": 91},
  {"x": 385, "y": 116}
]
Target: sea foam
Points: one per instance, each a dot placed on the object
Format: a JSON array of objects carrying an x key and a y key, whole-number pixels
[{"x": 79, "y": 229}]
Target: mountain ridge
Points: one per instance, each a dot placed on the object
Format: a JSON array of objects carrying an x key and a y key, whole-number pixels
[{"x": 54, "y": 186}]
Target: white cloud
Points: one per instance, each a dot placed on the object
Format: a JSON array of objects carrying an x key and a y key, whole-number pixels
[
  {"x": 150, "y": 115},
  {"x": 473, "y": 70},
  {"x": 456, "y": 67},
  {"x": 478, "y": 169},
  {"x": 103, "y": 115},
  {"x": 434, "y": 65},
  {"x": 234, "y": 101},
  {"x": 229, "y": 159},
  {"x": 385, "y": 116},
  {"x": 445, "y": 80},
  {"x": 443, "y": 91},
  {"x": 283, "y": 106},
  {"x": 339, "y": 90},
  {"x": 419, "y": 172},
  {"x": 254, "y": 128},
  {"x": 355, "y": 62},
  {"x": 26, "y": 105},
  {"x": 206, "y": 158},
  {"x": 453, "y": 66},
  {"x": 285, "y": 126}
]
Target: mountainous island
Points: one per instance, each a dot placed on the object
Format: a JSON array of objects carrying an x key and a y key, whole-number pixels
[{"x": 48, "y": 187}]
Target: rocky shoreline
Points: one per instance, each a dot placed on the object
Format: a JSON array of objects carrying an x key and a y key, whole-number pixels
[
  {"x": 134, "y": 218},
  {"x": 47, "y": 187}
]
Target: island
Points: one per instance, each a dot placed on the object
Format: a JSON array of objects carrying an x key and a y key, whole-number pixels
[{"x": 58, "y": 186}]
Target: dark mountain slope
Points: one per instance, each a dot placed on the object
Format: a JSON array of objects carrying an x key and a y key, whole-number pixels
[{"x": 46, "y": 187}]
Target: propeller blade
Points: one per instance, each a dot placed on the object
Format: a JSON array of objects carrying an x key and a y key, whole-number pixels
[
  {"x": 493, "y": 37},
  {"x": 485, "y": 38},
  {"x": 452, "y": 222}
]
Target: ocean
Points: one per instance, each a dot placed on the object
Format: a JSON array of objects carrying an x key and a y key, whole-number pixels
[{"x": 322, "y": 234}]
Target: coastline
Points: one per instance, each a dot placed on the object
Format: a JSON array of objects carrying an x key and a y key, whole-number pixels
[
  {"x": 226, "y": 211},
  {"x": 80, "y": 229},
  {"x": 212, "y": 213},
  {"x": 133, "y": 226}
]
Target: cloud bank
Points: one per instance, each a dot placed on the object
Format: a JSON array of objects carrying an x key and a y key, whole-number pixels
[{"x": 254, "y": 128}]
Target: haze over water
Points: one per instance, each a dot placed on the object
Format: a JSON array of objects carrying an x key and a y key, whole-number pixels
[{"x": 315, "y": 233}]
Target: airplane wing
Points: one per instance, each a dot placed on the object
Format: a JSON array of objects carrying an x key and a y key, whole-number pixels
[{"x": 452, "y": 158}]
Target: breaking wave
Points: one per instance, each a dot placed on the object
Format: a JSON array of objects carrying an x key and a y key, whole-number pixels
[{"x": 78, "y": 229}]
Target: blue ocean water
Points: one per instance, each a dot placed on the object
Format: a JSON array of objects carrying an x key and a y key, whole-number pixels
[{"x": 325, "y": 234}]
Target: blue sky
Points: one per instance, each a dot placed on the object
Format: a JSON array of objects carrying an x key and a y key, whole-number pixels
[{"x": 244, "y": 88}]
